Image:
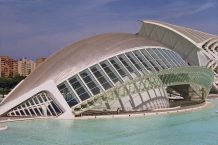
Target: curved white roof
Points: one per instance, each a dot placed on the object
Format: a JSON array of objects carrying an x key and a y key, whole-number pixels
[
  {"x": 78, "y": 56},
  {"x": 194, "y": 35},
  {"x": 84, "y": 53}
]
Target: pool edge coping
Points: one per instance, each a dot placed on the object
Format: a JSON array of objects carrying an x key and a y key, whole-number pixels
[{"x": 205, "y": 105}]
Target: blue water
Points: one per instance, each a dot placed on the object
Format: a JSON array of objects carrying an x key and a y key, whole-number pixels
[{"x": 192, "y": 128}]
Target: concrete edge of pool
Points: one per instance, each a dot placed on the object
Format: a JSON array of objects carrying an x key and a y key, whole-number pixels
[
  {"x": 140, "y": 114},
  {"x": 207, "y": 104}
]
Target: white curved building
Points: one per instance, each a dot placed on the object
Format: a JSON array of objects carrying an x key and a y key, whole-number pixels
[
  {"x": 117, "y": 70},
  {"x": 195, "y": 47}
]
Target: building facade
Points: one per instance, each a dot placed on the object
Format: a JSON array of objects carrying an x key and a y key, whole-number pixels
[
  {"x": 26, "y": 66},
  {"x": 132, "y": 72},
  {"x": 195, "y": 47},
  {"x": 8, "y": 66}
]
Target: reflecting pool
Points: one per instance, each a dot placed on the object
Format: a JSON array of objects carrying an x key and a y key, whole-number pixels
[{"x": 191, "y": 128}]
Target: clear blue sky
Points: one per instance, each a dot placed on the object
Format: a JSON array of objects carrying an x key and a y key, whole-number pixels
[{"x": 35, "y": 28}]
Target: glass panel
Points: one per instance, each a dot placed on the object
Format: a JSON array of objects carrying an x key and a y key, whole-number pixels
[
  {"x": 151, "y": 60},
  {"x": 27, "y": 113},
  {"x": 118, "y": 68},
  {"x": 79, "y": 88},
  {"x": 127, "y": 65},
  {"x": 179, "y": 58},
  {"x": 31, "y": 111},
  {"x": 17, "y": 113},
  {"x": 134, "y": 61},
  {"x": 90, "y": 82},
  {"x": 67, "y": 94},
  {"x": 174, "y": 58},
  {"x": 22, "y": 113},
  {"x": 143, "y": 60},
  {"x": 171, "y": 59},
  {"x": 101, "y": 78},
  {"x": 127, "y": 75},
  {"x": 162, "y": 57},
  {"x": 109, "y": 72},
  {"x": 40, "y": 99},
  {"x": 157, "y": 58}
]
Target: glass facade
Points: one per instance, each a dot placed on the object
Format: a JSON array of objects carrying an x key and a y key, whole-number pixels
[
  {"x": 79, "y": 88},
  {"x": 38, "y": 105},
  {"x": 68, "y": 94},
  {"x": 116, "y": 70}
]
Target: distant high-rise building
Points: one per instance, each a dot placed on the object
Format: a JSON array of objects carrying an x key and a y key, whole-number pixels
[
  {"x": 25, "y": 66},
  {"x": 40, "y": 61},
  {"x": 8, "y": 67}
]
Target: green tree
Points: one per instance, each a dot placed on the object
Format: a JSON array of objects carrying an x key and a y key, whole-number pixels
[{"x": 6, "y": 84}]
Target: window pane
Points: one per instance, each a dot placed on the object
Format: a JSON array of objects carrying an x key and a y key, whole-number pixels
[
  {"x": 90, "y": 83},
  {"x": 68, "y": 96},
  {"x": 101, "y": 78},
  {"x": 109, "y": 72},
  {"x": 79, "y": 88}
]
